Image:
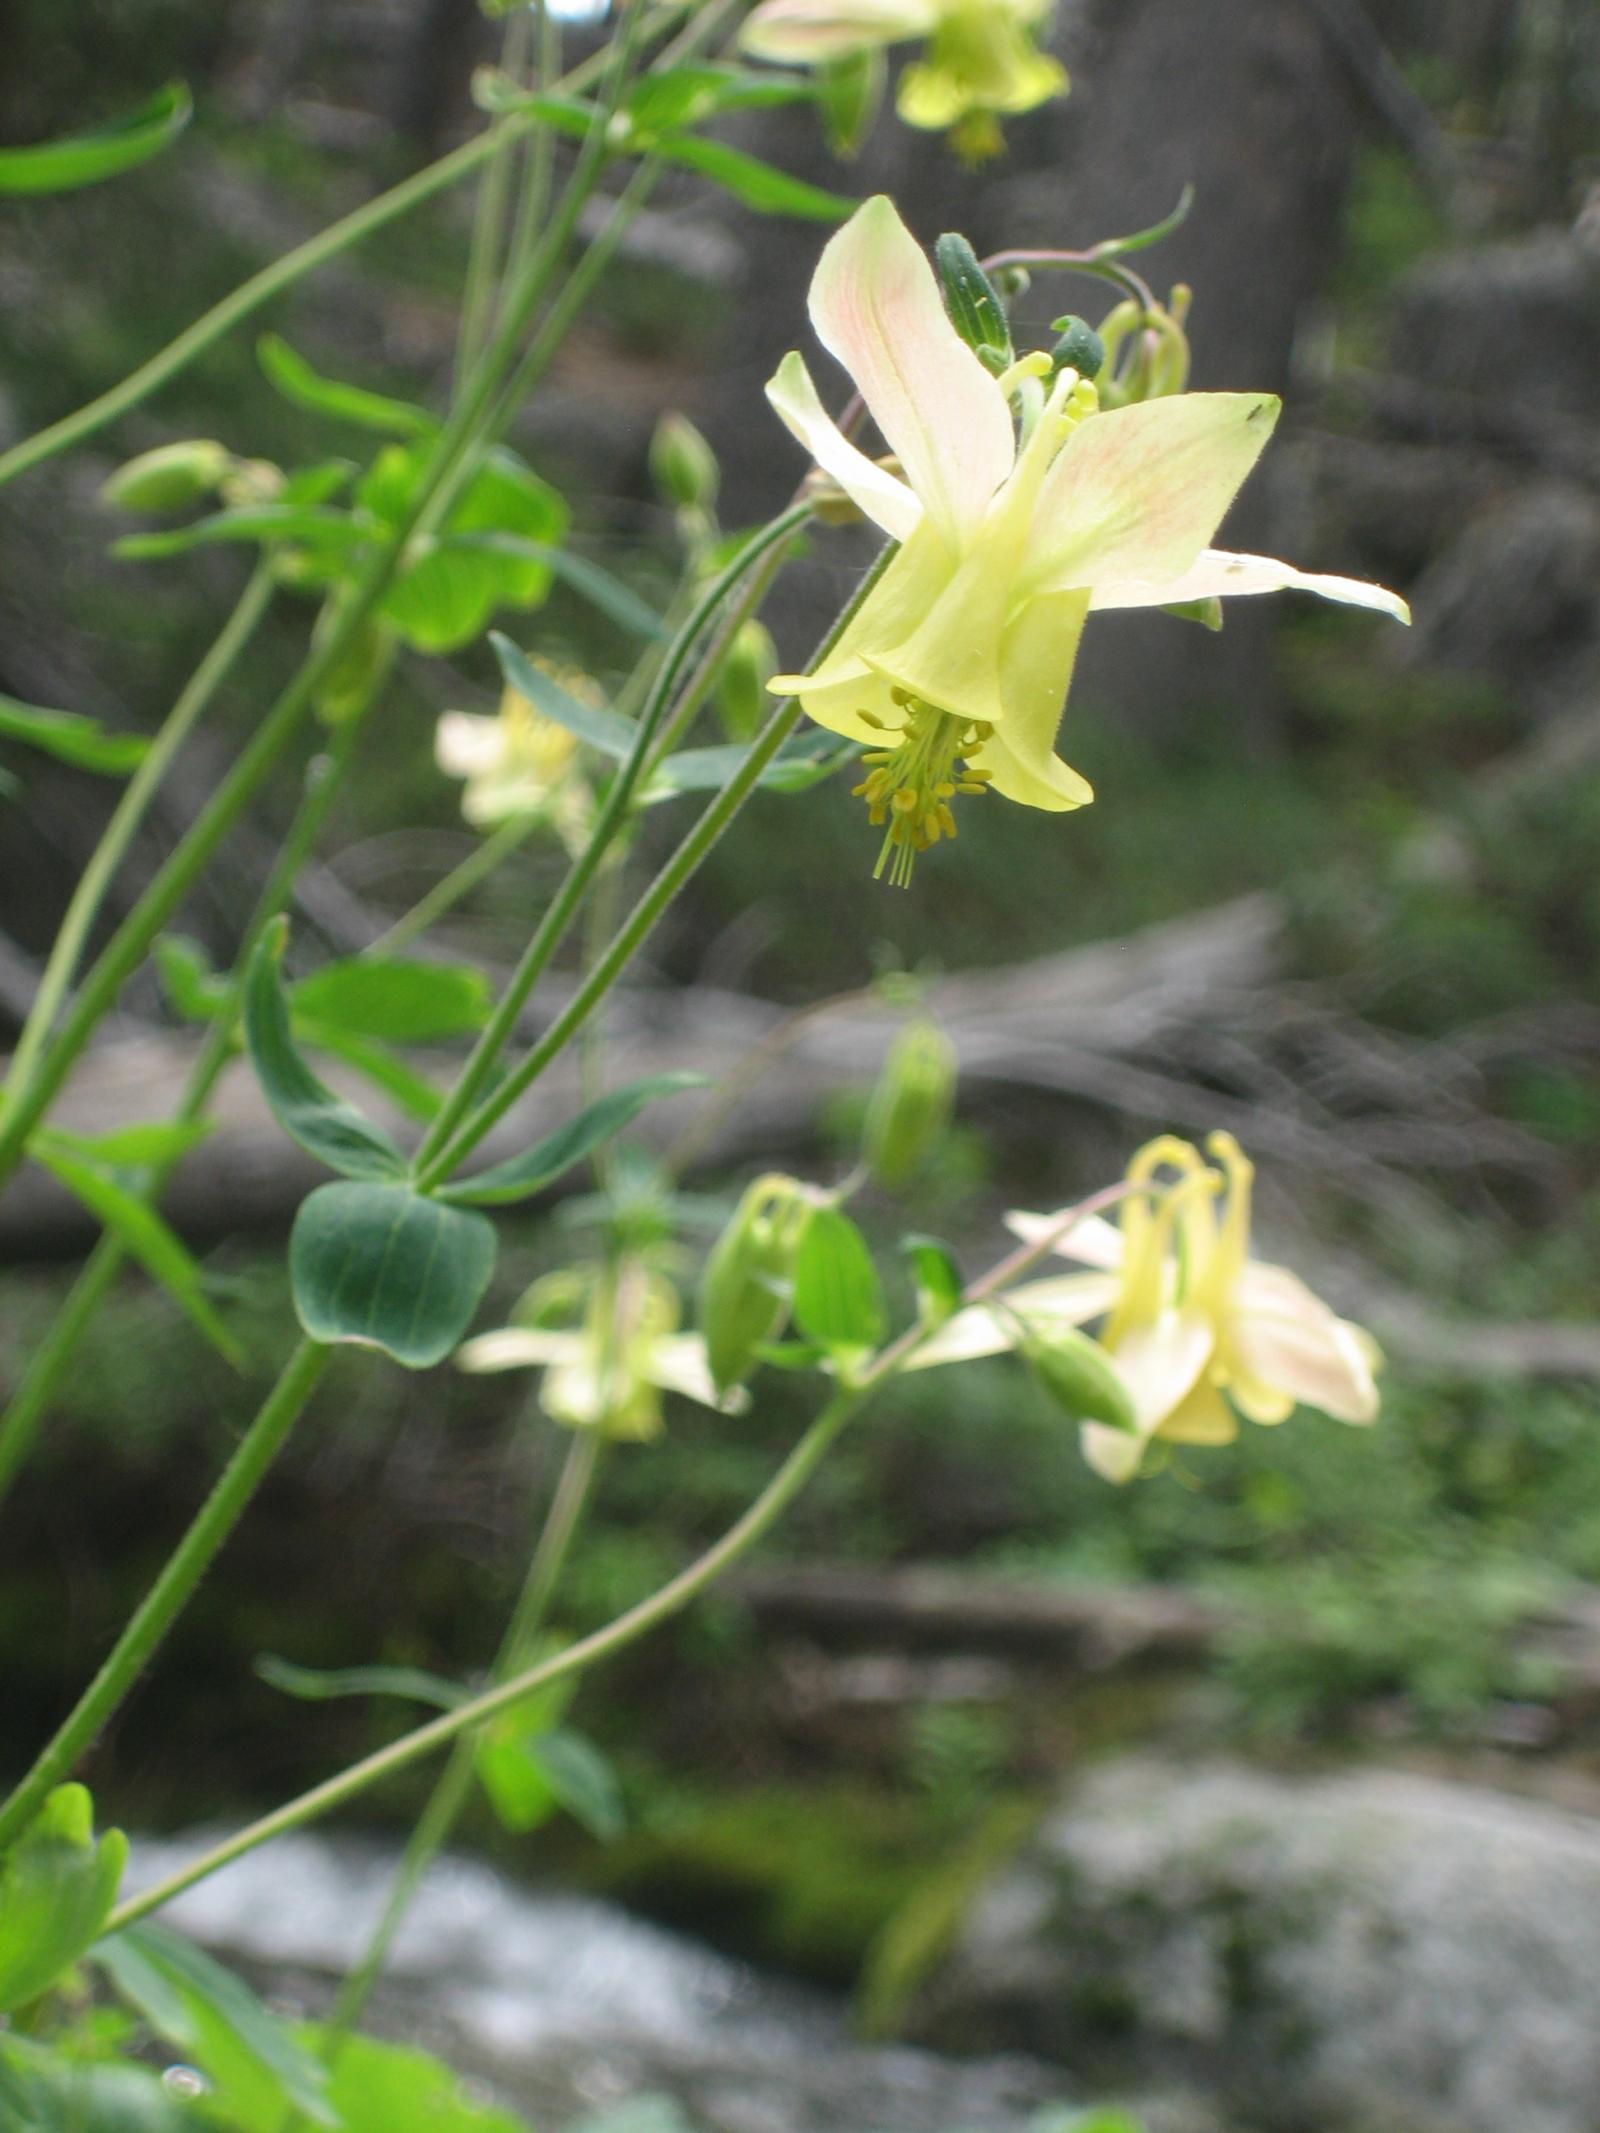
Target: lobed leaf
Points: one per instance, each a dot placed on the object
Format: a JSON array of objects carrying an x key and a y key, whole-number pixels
[
  {"x": 755, "y": 184},
  {"x": 72, "y": 738},
  {"x": 57, "y": 1887},
  {"x": 298, "y": 381}
]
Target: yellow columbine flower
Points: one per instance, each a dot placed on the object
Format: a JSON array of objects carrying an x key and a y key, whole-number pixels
[
  {"x": 955, "y": 668},
  {"x": 519, "y": 762},
  {"x": 609, "y": 1371},
  {"x": 982, "y": 61},
  {"x": 1198, "y": 1328}
]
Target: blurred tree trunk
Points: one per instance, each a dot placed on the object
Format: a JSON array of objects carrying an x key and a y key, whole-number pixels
[
  {"x": 431, "y": 76},
  {"x": 1243, "y": 99}
]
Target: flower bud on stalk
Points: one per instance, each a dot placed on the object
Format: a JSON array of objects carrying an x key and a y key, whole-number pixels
[
  {"x": 911, "y": 1106},
  {"x": 171, "y": 478},
  {"x": 744, "y": 1292},
  {"x": 683, "y": 466},
  {"x": 742, "y": 684},
  {"x": 974, "y": 309},
  {"x": 1078, "y": 1376}
]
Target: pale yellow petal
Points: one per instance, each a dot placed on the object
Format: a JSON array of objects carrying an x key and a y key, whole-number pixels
[
  {"x": 517, "y": 1348},
  {"x": 1036, "y": 661},
  {"x": 876, "y": 307},
  {"x": 805, "y": 32},
  {"x": 468, "y": 745},
  {"x": 1091, "y": 1239},
  {"x": 886, "y": 501},
  {"x": 1136, "y": 493},
  {"x": 1218, "y": 575}
]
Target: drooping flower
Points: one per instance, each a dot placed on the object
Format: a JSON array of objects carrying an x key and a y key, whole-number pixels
[
  {"x": 981, "y": 61},
  {"x": 1198, "y": 1329},
  {"x": 955, "y": 668},
  {"x": 519, "y": 762},
  {"x": 609, "y": 1370}
]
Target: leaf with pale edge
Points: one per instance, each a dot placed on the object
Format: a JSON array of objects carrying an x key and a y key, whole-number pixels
[
  {"x": 306, "y": 387},
  {"x": 312, "y": 1684},
  {"x": 612, "y": 735}
]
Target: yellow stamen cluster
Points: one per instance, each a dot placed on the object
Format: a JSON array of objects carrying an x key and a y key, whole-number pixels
[{"x": 910, "y": 786}]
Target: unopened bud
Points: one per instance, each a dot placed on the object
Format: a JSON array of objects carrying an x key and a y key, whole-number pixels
[
  {"x": 170, "y": 478},
  {"x": 742, "y": 685},
  {"x": 1080, "y": 348},
  {"x": 975, "y": 309},
  {"x": 682, "y": 465},
  {"x": 1080, "y": 1378},
  {"x": 745, "y": 1290},
  {"x": 249, "y": 482},
  {"x": 911, "y": 1106}
]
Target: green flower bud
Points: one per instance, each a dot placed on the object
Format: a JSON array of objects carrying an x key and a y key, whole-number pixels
[
  {"x": 1080, "y": 348},
  {"x": 742, "y": 699},
  {"x": 682, "y": 465},
  {"x": 911, "y": 1106},
  {"x": 976, "y": 311},
  {"x": 171, "y": 478},
  {"x": 745, "y": 1290},
  {"x": 1080, "y": 1378}
]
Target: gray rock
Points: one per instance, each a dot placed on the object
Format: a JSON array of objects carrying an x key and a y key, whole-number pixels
[{"x": 1370, "y": 1951}]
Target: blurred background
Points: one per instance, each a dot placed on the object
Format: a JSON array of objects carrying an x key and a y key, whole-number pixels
[{"x": 1261, "y": 1793}]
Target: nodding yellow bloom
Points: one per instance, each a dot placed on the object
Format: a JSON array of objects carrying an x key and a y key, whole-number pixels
[
  {"x": 607, "y": 1372},
  {"x": 954, "y": 670},
  {"x": 519, "y": 762},
  {"x": 1198, "y": 1329},
  {"x": 981, "y": 60}
]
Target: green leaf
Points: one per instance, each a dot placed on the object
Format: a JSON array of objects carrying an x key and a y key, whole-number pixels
[
  {"x": 390, "y": 997},
  {"x": 57, "y": 1887},
  {"x": 389, "y": 2088},
  {"x": 446, "y": 594},
  {"x": 159, "y": 1141},
  {"x": 754, "y": 183},
  {"x": 43, "y": 2091},
  {"x": 323, "y": 1124},
  {"x": 314, "y": 526},
  {"x": 72, "y": 738},
  {"x": 583, "y": 1781},
  {"x": 687, "y": 96},
  {"x": 803, "y": 761},
  {"x": 529, "y": 1777},
  {"x": 87, "y": 158},
  {"x": 142, "y": 1234},
  {"x": 383, "y": 1267},
  {"x": 523, "y": 1175},
  {"x": 1208, "y": 613},
  {"x": 306, "y": 387},
  {"x": 256, "y": 2065},
  {"x": 838, "y": 1301},
  {"x": 193, "y": 988},
  {"x": 618, "y": 602},
  {"x": 938, "y": 1279},
  {"x": 401, "y": 1083},
  {"x": 324, "y": 1684},
  {"x": 605, "y": 730}
]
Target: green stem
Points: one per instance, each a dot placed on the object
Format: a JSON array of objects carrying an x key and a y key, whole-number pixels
[
  {"x": 488, "y": 219},
  {"x": 646, "y": 913},
  {"x": 541, "y": 149},
  {"x": 755, "y": 1521},
  {"x": 184, "y": 1569},
  {"x": 258, "y": 290},
  {"x": 446, "y": 893},
  {"x": 449, "y": 1796},
  {"x": 437, "y": 1157},
  {"x": 445, "y": 468},
  {"x": 129, "y": 812},
  {"x": 51, "y": 1361}
]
